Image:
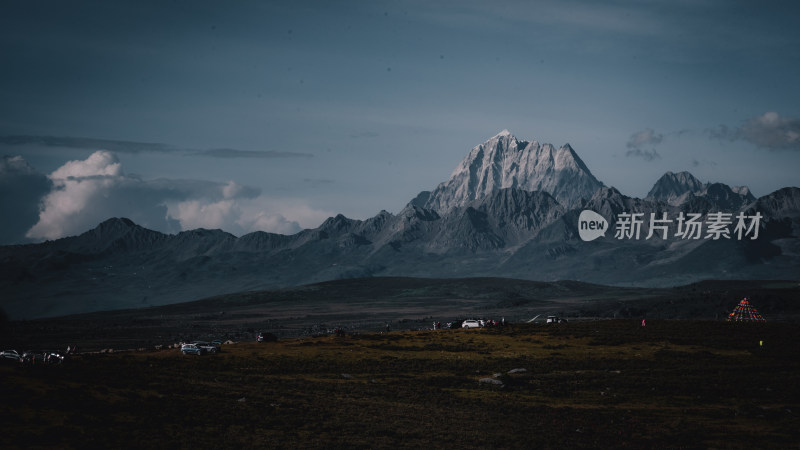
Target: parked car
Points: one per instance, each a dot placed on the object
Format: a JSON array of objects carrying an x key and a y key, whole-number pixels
[
  {"x": 471, "y": 324},
  {"x": 206, "y": 346},
  {"x": 192, "y": 349},
  {"x": 10, "y": 355}
]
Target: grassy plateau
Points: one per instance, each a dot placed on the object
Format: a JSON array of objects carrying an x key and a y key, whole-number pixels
[{"x": 586, "y": 384}]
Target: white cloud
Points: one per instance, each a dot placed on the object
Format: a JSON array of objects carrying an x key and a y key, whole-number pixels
[
  {"x": 648, "y": 155},
  {"x": 274, "y": 223},
  {"x": 81, "y": 188},
  {"x": 243, "y": 216},
  {"x": 87, "y": 192},
  {"x": 198, "y": 214},
  {"x": 98, "y": 164},
  {"x": 772, "y": 131},
  {"x": 297, "y": 210},
  {"x": 769, "y": 131},
  {"x": 641, "y": 139},
  {"x": 645, "y": 137}
]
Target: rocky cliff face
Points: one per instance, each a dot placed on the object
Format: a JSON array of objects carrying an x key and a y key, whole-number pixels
[{"x": 504, "y": 162}]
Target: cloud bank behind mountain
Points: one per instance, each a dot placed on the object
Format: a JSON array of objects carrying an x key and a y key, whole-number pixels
[{"x": 81, "y": 193}]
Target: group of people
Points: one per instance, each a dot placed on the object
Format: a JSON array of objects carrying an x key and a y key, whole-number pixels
[{"x": 494, "y": 323}]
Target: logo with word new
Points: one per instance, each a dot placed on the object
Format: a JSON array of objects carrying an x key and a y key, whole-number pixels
[
  {"x": 591, "y": 225},
  {"x": 686, "y": 226}
]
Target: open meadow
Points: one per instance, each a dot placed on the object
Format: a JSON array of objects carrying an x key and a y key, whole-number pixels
[{"x": 604, "y": 383}]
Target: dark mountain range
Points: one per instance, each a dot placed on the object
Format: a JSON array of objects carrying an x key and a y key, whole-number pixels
[{"x": 481, "y": 223}]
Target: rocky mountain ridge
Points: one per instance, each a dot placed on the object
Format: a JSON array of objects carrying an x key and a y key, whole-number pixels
[
  {"x": 469, "y": 230},
  {"x": 504, "y": 162},
  {"x": 682, "y": 187}
]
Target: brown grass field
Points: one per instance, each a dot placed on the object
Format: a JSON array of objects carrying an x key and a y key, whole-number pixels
[{"x": 593, "y": 384}]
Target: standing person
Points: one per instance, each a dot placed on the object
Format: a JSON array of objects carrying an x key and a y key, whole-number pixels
[{"x": 642, "y": 322}]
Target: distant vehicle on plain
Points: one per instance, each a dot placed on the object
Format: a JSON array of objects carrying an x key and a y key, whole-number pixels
[
  {"x": 53, "y": 357},
  {"x": 191, "y": 349},
  {"x": 10, "y": 355},
  {"x": 555, "y": 319},
  {"x": 471, "y": 324},
  {"x": 207, "y": 347}
]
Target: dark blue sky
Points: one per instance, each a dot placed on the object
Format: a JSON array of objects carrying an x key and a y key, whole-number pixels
[{"x": 276, "y": 115}]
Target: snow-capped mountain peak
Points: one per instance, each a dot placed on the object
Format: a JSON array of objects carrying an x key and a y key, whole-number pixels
[{"x": 504, "y": 162}]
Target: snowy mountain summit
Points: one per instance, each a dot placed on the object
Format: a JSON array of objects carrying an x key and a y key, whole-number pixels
[{"x": 505, "y": 162}]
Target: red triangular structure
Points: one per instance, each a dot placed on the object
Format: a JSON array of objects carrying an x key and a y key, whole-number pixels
[{"x": 745, "y": 312}]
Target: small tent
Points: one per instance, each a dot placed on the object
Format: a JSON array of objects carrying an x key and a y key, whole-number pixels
[{"x": 745, "y": 312}]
